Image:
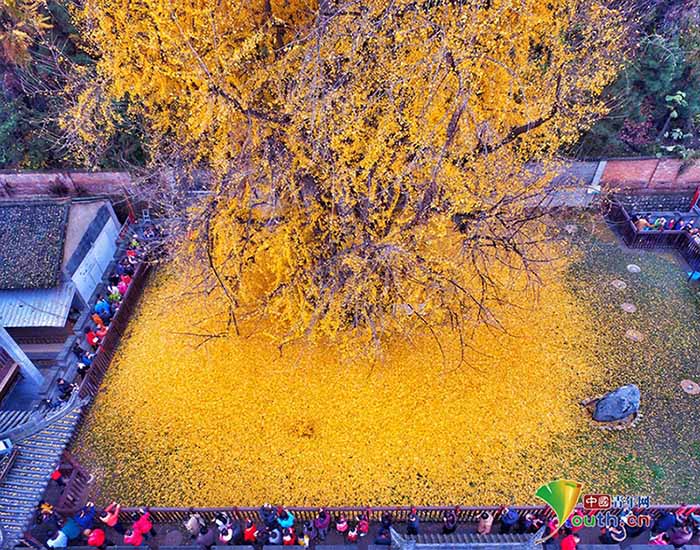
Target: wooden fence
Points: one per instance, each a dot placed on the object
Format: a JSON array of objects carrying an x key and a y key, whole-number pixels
[
  {"x": 690, "y": 251},
  {"x": 91, "y": 383},
  {"x": 75, "y": 492},
  {"x": 465, "y": 514}
]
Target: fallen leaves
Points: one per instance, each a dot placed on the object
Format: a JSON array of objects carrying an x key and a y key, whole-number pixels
[{"x": 235, "y": 422}]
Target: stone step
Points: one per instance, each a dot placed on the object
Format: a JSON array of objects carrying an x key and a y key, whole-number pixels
[
  {"x": 18, "y": 512},
  {"x": 21, "y": 494},
  {"x": 43, "y": 442},
  {"x": 35, "y": 455},
  {"x": 13, "y": 522},
  {"x": 31, "y": 478},
  {"x": 18, "y": 486},
  {"x": 52, "y": 434},
  {"x": 27, "y": 467},
  {"x": 14, "y": 534},
  {"x": 8, "y": 501},
  {"x": 12, "y": 514}
]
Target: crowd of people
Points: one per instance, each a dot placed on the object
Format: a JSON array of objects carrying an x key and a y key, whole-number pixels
[
  {"x": 102, "y": 313},
  {"x": 90, "y": 528},
  {"x": 107, "y": 305},
  {"x": 669, "y": 529},
  {"x": 661, "y": 223},
  {"x": 280, "y": 527},
  {"x": 277, "y": 526}
]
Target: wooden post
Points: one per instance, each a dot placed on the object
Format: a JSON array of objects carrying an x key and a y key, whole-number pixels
[
  {"x": 26, "y": 366},
  {"x": 653, "y": 173}
]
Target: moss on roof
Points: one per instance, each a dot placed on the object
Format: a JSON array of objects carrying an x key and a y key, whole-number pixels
[{"x": 31, "y": 243}]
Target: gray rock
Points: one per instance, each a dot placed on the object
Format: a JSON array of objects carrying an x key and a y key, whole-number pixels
[{"x": 617, "y": 404}]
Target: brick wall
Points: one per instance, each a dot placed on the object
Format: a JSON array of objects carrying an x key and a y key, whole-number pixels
[
  {"x": 651, "y": 174},
  {"x": 672, "y": 177},
  {"x": 63, "y": 184},
  {"x": 28, "y": 185}
]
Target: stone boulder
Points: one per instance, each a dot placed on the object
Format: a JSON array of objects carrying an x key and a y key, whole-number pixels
[{"x": 617, "y": 404}]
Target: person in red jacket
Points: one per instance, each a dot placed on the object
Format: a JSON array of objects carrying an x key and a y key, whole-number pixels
[
  {"x": 341, "y": 524},
  {"x": 569, "y": 542},
  {"x": 144, "y": 523},
  {"x": 57, "y": 476},
  {"x": 352, "y": 534},
  {"x": 133, "y": 538},
  {"x": 553, "y": 527},
  {"x": 91, "y": 338},
  {"x": 249, "y": 532},
  {"x": 110, "y": 517},
  {"x": 362, "y": 525},
  {"x": 95, "y": 538}
]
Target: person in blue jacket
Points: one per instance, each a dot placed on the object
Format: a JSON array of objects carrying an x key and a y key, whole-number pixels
[
  {"x": 85, "y": 517},
  {"x": 71, "y": 529},
  {"x": 412, "y": 523},
  {"x": 509, "y": 519},
  {"x": 284, "y": 518},
  {"x": 268, "y": 515},
  {"x": 664, "y": 522},
  {"x": 102, "y": 307}
]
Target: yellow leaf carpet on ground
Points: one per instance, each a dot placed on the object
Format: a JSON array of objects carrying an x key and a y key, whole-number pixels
[{"x": 233, "y": 422}]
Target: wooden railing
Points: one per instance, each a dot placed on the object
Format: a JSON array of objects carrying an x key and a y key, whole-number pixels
[
  {"x": 76, "y": 489},
  {"x": 681, "y": 240},
  {"x": 690, "y": 251},
  {"x": 90, "y": 385},
  {"x": 9, "y": 374},
  {"x": 465, "y": 514}
]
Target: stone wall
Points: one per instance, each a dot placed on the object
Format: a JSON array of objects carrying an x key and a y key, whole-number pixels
[{"x": 656, "y": 202}]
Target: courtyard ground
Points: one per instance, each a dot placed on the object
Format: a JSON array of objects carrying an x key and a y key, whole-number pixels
[
  {"x": 661, "y": 456},
  {"x": 233, "y": 421}
]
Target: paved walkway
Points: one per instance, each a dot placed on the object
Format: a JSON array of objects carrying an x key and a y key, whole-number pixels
[{"x": 174, "y": 535}]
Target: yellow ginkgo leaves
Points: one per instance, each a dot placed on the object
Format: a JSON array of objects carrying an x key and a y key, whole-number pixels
[{"x": 233, "y": 421}]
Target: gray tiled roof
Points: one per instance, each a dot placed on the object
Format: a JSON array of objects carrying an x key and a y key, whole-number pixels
[{"x": 31, "y": 243}]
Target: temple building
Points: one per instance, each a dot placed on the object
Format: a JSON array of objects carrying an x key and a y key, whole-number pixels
[{"x": 53, "y": 254}]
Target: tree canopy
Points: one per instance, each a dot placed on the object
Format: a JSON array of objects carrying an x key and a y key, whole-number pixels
[
  {"x": 371, "y": 163},
  {"x": 21, "y": 21},
  {"x": 654, "y": 101}
]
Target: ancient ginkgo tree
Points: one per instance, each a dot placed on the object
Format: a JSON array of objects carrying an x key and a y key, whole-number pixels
[{"x": 368, "y": 162}]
